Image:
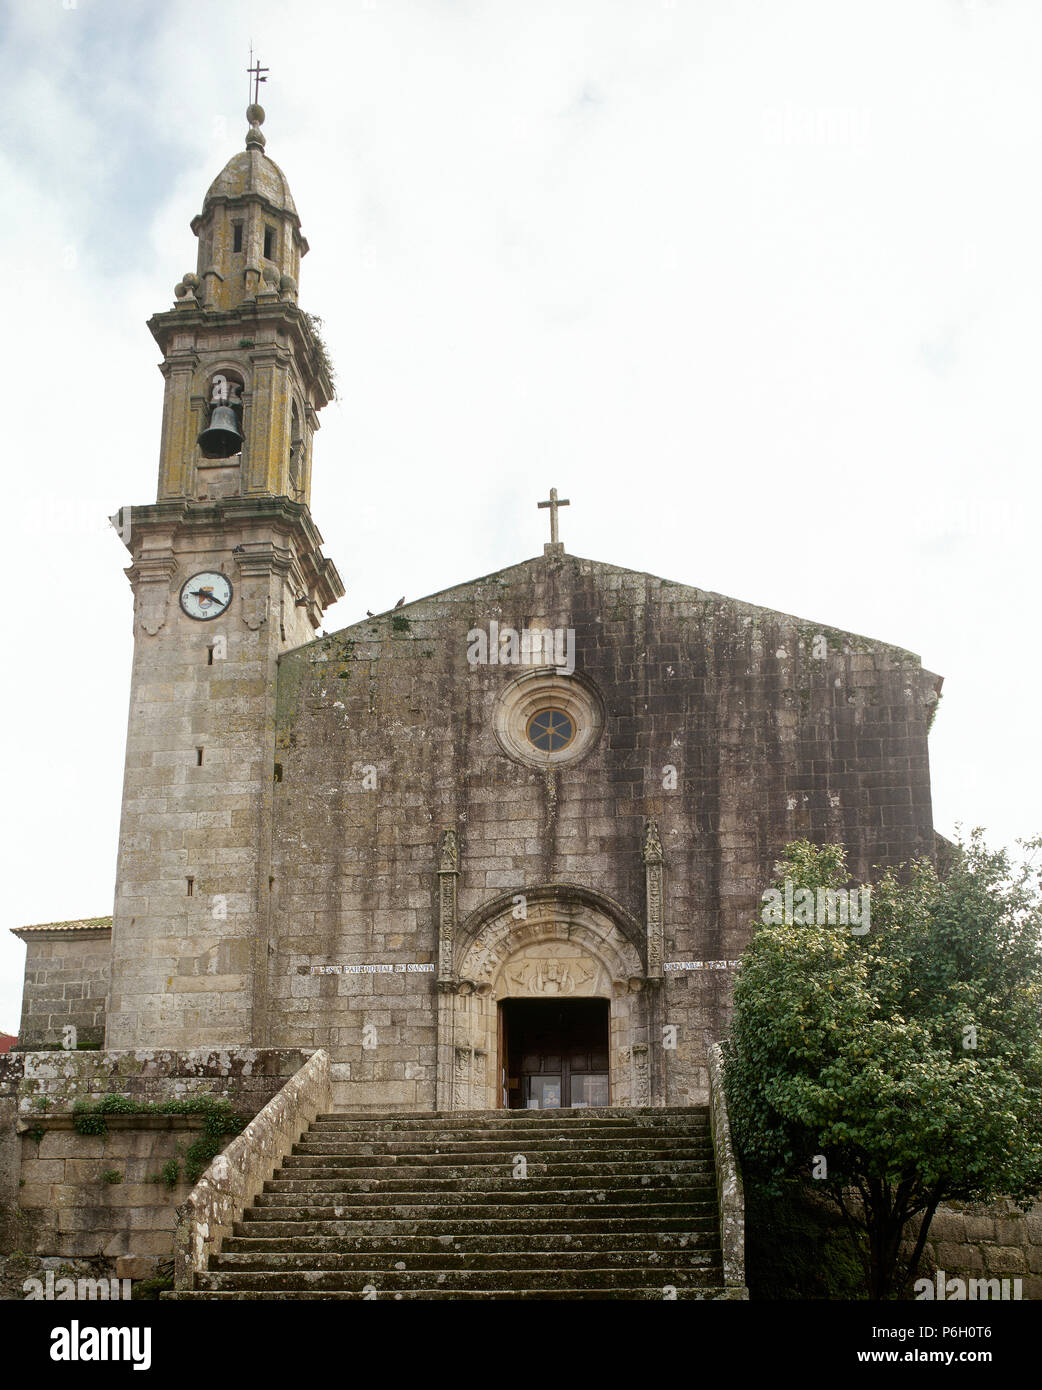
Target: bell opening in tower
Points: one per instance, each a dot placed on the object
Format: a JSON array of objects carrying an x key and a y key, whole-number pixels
[
  {"x": 222, "y": 438},
  {"x": 554, "y": 1054}
]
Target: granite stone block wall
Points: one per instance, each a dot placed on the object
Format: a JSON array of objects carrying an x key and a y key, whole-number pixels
[
  {"x": 737, "y": 728},
  {"x": 248, "y": 1077},
  {"x": 66, "y": 982},
  {"x": 195, "y": 833},
  {"x": 997, "y": 1240},
  {"x": 102, "y": 1194},
  {"x": 54, "y": 1199}
]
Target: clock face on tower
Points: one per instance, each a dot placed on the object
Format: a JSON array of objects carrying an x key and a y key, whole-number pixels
[{"x": 206, "y": 595}]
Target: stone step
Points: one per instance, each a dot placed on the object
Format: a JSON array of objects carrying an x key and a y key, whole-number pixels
[
  {"x": 504, "y": 1227},
  {"x": 528, "y": 1136},
  {"x": 608, "y": 1128},
  {"x": 504, "y": 1155},
  {"x": 500, "y": 1143},
  {"x": 647, "y": 1242},
  {"x": 648, "y": 1293},
  {"x": 397, "y": 1260},
  {"x": 592, "y": 1208},
  {"x": 393, "y": 1280},
  {"x": 493, "y": 1182},
  {"x": 465, "y": 1203},
  {"x": 634, "y": 1114},
  {"x": 438, "y": 1166},
  {"x": 630, "y": 1155},
  {"x": 616, "y": 1203}
]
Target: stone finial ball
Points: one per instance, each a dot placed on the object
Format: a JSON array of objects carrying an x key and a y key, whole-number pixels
[
  {"x": 180, "y": 290},
  {"x": 191, "y": 280},
  {"x": 287, "y": 283},
  {"x": 255, "y": 114}
]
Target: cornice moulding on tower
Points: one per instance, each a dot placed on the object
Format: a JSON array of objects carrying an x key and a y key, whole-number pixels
[
  {"x": 156, "y": 529},
  {"x": 248, "y": 320}
]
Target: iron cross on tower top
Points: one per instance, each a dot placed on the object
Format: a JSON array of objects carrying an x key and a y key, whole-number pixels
[
  {"x": 255, "y": 70},
  {"x": 553, "y": 504}
]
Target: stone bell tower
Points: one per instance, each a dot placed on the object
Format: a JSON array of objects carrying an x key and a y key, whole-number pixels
[{"x": 227, "y": 573}]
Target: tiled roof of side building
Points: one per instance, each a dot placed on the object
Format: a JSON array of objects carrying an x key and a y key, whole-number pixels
[{"x": 80, "y": 924}]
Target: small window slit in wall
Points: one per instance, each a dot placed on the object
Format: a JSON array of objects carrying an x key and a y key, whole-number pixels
[
  {"x": 198, "y": 757},
  {"x": 191, "y": 886},
  {"x": 269, "y": 243},
  {"x": 209, "y": 656},
  {"x": 237, "y": 236}
]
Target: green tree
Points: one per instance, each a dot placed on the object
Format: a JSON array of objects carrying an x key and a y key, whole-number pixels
[{"x": 907, "y": 1057}]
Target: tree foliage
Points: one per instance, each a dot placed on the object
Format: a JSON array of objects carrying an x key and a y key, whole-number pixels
[{"x": 909, "y": 1058}]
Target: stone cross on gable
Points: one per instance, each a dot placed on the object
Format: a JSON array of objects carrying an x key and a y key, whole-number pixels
[{"x": 553, "y": 504}]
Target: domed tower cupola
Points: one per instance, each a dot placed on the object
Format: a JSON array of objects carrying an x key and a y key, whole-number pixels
[
  {"x": 246, "y": 373},
  {"x": 250, "y": 242}
]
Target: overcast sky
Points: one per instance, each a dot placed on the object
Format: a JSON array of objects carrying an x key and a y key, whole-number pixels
[{"x": 756, "y": 285}]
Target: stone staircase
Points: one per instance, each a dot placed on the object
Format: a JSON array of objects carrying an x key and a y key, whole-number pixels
[{"x": 615, "y": 1203}]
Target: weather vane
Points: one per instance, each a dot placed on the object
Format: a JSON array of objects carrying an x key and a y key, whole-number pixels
[{"x": 255, "y": 71}]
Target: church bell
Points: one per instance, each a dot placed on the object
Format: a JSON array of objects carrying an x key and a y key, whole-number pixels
[{"x": 222, "y": 438}]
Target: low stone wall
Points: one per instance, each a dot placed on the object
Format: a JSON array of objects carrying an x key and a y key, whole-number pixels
[
  {"x": 248, "y": 1076},
  {"x": 54, "y": 1200},
  {"x": 730, "y": 1195},
  {"x": 998, "y": 1241},
  {"x": 102, "y": 1194},
  {"x": 235, "y": 1176}
]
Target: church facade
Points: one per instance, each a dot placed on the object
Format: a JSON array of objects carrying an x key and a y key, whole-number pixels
[{"x": 501, "y": 846}]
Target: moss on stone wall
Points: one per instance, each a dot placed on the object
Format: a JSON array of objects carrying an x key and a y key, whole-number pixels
[{"x": 795, "y": 1247}]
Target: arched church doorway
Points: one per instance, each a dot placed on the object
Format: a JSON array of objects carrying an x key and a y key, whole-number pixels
[
  {"x": 553, "y": 1053},
  {"x": 568, "y": 946}
]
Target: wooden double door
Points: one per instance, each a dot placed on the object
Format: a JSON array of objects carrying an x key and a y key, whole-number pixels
[{"x": 553, "y": 1053}]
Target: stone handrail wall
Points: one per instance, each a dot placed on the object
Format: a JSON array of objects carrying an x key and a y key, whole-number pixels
[
  {"x": 238, "y": 1174},
  {"x": 729, "y": 1190}
]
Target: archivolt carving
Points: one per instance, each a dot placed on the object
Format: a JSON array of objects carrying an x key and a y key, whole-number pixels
[
  {"x": 502, "y": 939},
  {"x": 552, "y": 910}
]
